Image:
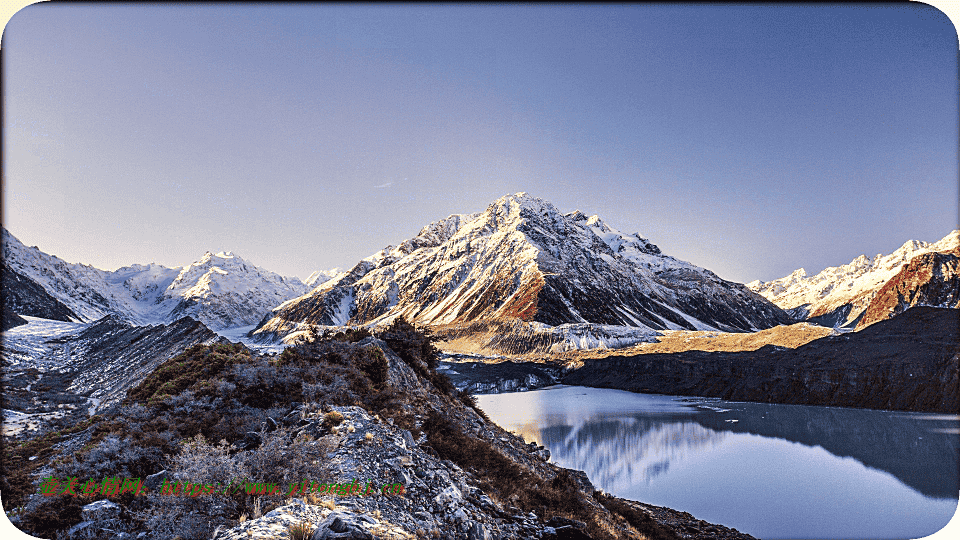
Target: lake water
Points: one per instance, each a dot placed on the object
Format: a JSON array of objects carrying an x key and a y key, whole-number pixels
[{"x": 772, "y": 471}]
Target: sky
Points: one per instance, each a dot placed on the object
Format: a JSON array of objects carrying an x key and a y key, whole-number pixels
[{"x": 749, "y": 140}]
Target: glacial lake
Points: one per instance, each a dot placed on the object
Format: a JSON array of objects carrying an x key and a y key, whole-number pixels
[{"x": 772, "y": 471}]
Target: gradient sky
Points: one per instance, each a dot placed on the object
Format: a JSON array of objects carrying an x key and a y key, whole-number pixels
[{"x": 750, "y": 140}]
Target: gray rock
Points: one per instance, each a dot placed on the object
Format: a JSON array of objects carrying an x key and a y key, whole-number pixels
[
  {"x": 478, "y": 532},
  {"x": 154, "y": 481},
  {"x": 78, "y": 528},
  {"x": 340, "y": 525},
  {"x": 449, "y": 495},
  {"x": 423, "y": 516},
  {"x": 408, "y": 439},
  {"x": 100, "y": 510},
  {"x": 250, "y": 440}
]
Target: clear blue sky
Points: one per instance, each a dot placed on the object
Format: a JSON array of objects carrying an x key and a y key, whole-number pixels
[{"x": 750, "y": 140}]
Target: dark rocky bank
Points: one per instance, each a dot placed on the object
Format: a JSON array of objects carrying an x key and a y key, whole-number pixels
[{"x": 908, "y": 363}]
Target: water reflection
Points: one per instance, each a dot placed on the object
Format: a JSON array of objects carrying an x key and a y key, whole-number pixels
[
  {"x": 793, "y": 470},
  {"x": 623, "y": 451}
]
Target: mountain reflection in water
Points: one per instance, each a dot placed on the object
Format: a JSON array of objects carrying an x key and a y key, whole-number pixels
[
  {"x": 620, "y": 452},
  {"x": 769, "y": 470}
]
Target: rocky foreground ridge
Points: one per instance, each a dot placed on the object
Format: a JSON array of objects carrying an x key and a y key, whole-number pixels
[
  {"x": 343, "y": 407},
  {"x": 908, "y": 363}
]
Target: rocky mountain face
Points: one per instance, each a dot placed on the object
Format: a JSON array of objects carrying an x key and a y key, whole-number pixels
[
  {"x": 908, "y": 363},
  {"x": 24, "y": 296},
  {"x": 931, "y": 279},
  {"x": 839, "y": 295},
  {"x": 82, "y": 289},
  {"x": 222, "y": 290},
  {"x": 523, "y": 259},
  {"x": 10, "y": 319}
]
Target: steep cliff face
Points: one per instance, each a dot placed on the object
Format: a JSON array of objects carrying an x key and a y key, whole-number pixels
[
  {"x": 906, "y": 363},
  {"x": 523, "y": 259},
  {"x": 931, "y": 279},
  {"x": 839, "y": 295}
]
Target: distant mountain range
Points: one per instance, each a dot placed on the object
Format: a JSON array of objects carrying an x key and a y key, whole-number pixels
[
  {"x": 523, "y": 259},
  {"x": 519, "y": 260},
  {"x": 842, "y": 295},
  {"x": 221, "y": 290}
]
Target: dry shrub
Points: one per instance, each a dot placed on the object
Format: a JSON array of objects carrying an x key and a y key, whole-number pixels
[
  {"x": 559, "y": 497},
  {"x": 300, "y": 531}
]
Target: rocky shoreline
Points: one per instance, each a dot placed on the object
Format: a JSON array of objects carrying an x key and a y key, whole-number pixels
[
  {"x": 442, "y": 500},
  {"x": 477, "y": 377}
]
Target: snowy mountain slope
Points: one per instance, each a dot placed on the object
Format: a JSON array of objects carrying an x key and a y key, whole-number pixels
[
  {"x": 221, "y": 290},
  {"x": 523, "y": 259},
  {"x": 83, "y": 289},
  {"x": 838, "y": 295}
]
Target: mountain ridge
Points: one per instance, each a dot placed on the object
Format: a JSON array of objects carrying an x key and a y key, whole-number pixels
[
  {"x": 221, "y": 290},
  {"x": 839, "y": 295}
]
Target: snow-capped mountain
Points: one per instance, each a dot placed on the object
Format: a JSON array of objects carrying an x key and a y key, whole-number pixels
[
  {"x": 221, "y": 290},
  {"x": 319, "y": 277},
  {"x": 838, "y": 295},
  {"x": 523, "y": 259}
]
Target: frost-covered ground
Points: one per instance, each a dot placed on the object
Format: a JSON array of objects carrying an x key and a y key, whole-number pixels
[{"x": 28, "y": 346}]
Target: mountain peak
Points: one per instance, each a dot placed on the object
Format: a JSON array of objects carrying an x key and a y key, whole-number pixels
[{"x": 523, "y": 259}]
